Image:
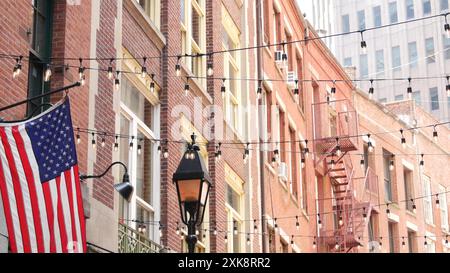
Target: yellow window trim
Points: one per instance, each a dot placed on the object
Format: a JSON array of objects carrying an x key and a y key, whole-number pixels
[
  {"x": 233, "y": 179},
  {"x": 229, "y": 25}
]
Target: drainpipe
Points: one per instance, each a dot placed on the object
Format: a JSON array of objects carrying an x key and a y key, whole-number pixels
[{"x": 259, "y": 38}]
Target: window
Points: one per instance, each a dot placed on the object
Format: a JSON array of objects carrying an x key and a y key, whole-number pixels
[
  {"x": 443, "y": 4},
  {"x": 230, "y": 40},
  {"x": 266, "y": 22},
  {"x": 429, "y": 50},
  {"x": 409, "y": 4},
  {"x": 277, "y": 28},
  {"x": 427, "y": 200},
  {"x": 136, "y": 119},
  {"x": 361, "y": 20},
  {"x": 446, "y": 46},
  {"x": 393, "y": 237},
  {"x": 396, "y": 59},
  {"x": 412, "y": 241},
  {"x": 193, "y": 36},
  {"x": 388, "y": 183},
  {"x": 348, "y": 62},
  {"x": 40, "y": 52},
  {"x": 430, "y": 246},
  {"x": 412, "y": 54},
  {"x": 426, "y": 5},
  {"x": 416, "y": 97},
  {"x": 434, "y": 99},
  {"x": 345, "y": 23},
  {"x": 393, "y": 17},
  {"x": 379, "y": 58},
  {"x": 409, "y": 191},
  {"x": 398, "y": 97},
  {"x": 152, "y": 8},
  {"x": 376, "y": 16},
  {"x": 235, "y": 208},
  {"x": 443, "y": 207},
  {"x": 282, "y": 134},
  {"x": 364, "y": 66},
  {"x": 304, "y": 185}
]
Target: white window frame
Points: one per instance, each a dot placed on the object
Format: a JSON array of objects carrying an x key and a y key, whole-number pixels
[
  {"x": 233, "y": 215},
  {"x": 427, "y": 200},
  {"x": 138, "y": 126},
  {"x": 153, "y": 11}
]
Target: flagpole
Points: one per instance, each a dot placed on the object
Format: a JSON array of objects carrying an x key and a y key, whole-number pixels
[{"x": 40, "y": 96}]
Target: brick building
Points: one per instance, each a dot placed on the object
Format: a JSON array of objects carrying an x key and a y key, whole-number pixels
[{"x": 254, "y": 204}]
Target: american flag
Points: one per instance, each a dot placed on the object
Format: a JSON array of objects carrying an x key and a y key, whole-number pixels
[{"x": 40, "y": 186}]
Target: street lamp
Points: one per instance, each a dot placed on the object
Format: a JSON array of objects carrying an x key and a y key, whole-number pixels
[
  {"x": 124, "y": 188},
  {"x": 193, "y": 182}
]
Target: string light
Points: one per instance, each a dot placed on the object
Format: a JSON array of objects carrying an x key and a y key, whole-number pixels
[
  {"x": 362, "y": 162},
  {"x": 446, "y": 240},
  {"x": 388, "y": 211},
  {"x": 246, "y": 153},
  {"x": 131, "y": 143},
  {"x": 333, "y": 90},
  {"x": 219, "y": 152},
  {"x": 226, "y": 238},
  {"x": 435, "y": 134},
  {"x": 336, "y": 246},
  {"x": 414, "y": 208},
  {"x": 363, "y": 43},
  {"x": 139, "y": 147},
  {"x": 369, "y": 144},
  {"x": 215, "y": 231},
  {"x": 235, "y": 229},
  {"x": 425, "y": 243},
  {"x": 447, "y": 87},
  {"x": 103, "y": 142},
  {"x": 110, "y": 70},
  {"x": 186, "y": 87},
  {"x": 403, "y": 242},
  {"x": 447, "y": 28},
  {"x": 223, "y": 88},
  {"x": 422, "y": 162},
  {"x": 210, "y": 70},
  {"x": 81, "y": 69},
  {"x": 160, "y": 230},
  {"x": 392, "y": 164},
  {"x": 274, "y": 162},
  {"x": 364, "y": 214},
  {"x": 296, "y": 91},
  {"x": 255, "y": 226},
  {"x": 409, "y": 89},
  {"x": 292, "y": 240},
  {"x": 437, "y": 201},
  {"x": 18, "y": 67},
  {"x": 297, "y": 224},
  {"x": 166, "y": 153},
  {"x": 116, "y": 144},
  {"x": 78, "y": 137},
  {"x": 371, "y": 90},
  {"x": 48, "y": 73},
  {"x": 276, "y": 153},
  {"x": 306, "y": 149},
  {"x": 341, "y": 221},
  {"x": 314, "y": 243},
  {"x": 403, "y": 139},
  {"x": 177, "y": 230},
  {"x": 319, "y": 222},
  {"x": 178, "y": 67},
  {"x": 332, "y": 162},
  {"x": 302, "y": 162},
  {"x": 152, "y": 83},
  {"x": 204, "y": 234},
  {"x": 93, "y": 141},
  {"x": 381, "y": 241},
  {"x": 259, "y": 90},
  {"x": 117, "y": 81},
  {"x": 248, "y": 239},
  {"x": 144, "y": 68},
  {"x": 275, "y": 225},
  {"x": 338, "y": 148}
]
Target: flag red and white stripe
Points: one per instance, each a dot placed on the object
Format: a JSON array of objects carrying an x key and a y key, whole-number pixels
[{"x": 41, "y": 216}]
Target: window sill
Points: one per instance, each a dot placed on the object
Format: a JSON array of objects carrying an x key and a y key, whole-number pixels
[{"x": 410, "y": 213}]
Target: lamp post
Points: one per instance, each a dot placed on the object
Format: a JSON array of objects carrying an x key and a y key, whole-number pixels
[
  {"x": 124, "y": 188},
  {"x": 193, "y": 183}
]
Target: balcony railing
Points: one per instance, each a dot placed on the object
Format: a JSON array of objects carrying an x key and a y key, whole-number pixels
[{"x": 131, "y": 241}]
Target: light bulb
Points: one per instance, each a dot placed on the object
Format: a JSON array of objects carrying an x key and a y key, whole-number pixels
[
  {"x": 139, "y": 149},
  {"x": 186, "y": 90},
  {"x": 152, "y": 87},
  {"x": 143, "y": 72},
  {"x": 103, "y": 142},
  {"x": 110, "y": 72},
  {"x": 210, "y": 70},
  {"x": 178, "y": 70},
  {"x": 48, "y": 73},
  {"x": 166, "y": 153},
  {"x": 117, "y": 84},
  {"x": 435, "y": 136}
]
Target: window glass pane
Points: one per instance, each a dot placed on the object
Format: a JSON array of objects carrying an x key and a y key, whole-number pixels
[
  {"x": 429, "y": 50},
  {"x": 446, "y": 42},
  {"x": 237, "y": 238},
  {"x": 124, "y": 157},
  {"x": 348, "y": 62},
  {"x": 434, "y": 98},
  {"x": 144, "y": 171},
  {"x": 426, "y": 7},
  {"x": 182, "y": 11},
  {"x": 135, "y": 101},
  {"x": 376, "y": 16},
  {"x": 396, "y": 59},
  {"x": 379, "y": 57},
  {"x": 196, "y": 26},
  {"x": 361, "y": 20},
  {"x": 443, "y": 5},
  {"x": 416, "y": 97},
  {"x": 364, "y": 66},
  {"x": 233, "y": 199},
  {"x": 387, "y": 175},
  {"x": 412, "y": 54},
  {"x": 393, "y": 18},
  {"x": 345, "y": 23},
  {"x": 147, "y": 217},
  {"x": 409, "y": 9}
]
